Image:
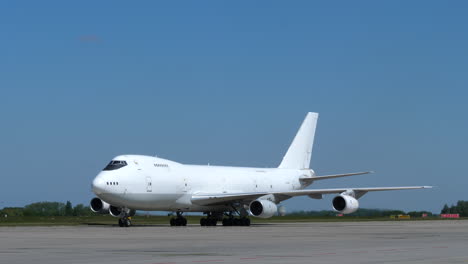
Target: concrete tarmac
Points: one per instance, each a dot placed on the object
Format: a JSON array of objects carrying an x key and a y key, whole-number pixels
[{"x": 347, "y": 242}]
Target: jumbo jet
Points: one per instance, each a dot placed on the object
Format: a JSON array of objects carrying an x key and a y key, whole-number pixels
[{"x": 227, "y": 194}]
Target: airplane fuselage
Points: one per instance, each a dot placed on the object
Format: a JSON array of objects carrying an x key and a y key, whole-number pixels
[{"x": 154, "y": 184}]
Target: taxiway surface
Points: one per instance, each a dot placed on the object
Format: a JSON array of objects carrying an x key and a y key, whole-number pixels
[{"x": 346, "y": 242}]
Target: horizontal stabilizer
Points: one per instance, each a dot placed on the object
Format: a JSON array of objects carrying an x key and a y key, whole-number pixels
[{"x": 308, "y": 181}]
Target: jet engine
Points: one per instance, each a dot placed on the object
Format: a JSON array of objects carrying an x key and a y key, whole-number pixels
[
  {"x": 263, "y": 208},
  {"x": 345, "y": 204},
  {"x": 99, "y": 206},
  {"x": 115, "y": 211}
]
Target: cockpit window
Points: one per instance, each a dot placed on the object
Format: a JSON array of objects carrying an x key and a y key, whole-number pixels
[{"x": 115, "y": 164}]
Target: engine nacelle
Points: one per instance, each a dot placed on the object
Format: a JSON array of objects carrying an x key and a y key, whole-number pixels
[
  {"x": 263, "y": 208},
  {"x": 115, "y": 211},
  {"x": 345, "y": 204},
  {"x": 99, "y": 206}
]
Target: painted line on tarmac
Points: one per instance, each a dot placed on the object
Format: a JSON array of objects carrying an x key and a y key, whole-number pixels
[
  {"x": 211, "y": 260},
  {"x": 390, "y": 250}
]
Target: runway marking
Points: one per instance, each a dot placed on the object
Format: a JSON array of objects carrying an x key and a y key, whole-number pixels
[
  {"x": 311, "y": 255},
  {"x": 324, "y": 254},
  {"x": 388, "y": 250},
  {"x": 211, "y": 260}
]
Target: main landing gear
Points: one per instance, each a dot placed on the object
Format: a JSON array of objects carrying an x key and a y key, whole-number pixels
[
  {"x": 213, "y": 218},
  {"x": 179, "y": 220},
  {"x": 233, "y": 221}
]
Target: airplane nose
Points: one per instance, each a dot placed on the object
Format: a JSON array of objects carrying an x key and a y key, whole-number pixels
[{"x": 98, "y": 185}]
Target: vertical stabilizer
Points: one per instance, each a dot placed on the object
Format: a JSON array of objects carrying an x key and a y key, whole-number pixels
[{"x": 299, "y": 153}]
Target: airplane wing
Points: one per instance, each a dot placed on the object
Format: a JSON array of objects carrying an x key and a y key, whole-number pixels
[{"x": 216, "y": 199}]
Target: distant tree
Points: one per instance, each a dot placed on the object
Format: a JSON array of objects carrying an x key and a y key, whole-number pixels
[
  {"x": 419, "y": 213},
  {"x": 81, "y": 210},
  {"x": 445, "y": 210},
  {"x": 452, "y": 210},
  {"x": 68, "y": 209},
  {"x": 45, "y": 209},
  {"x": 359, "y": 213},
  {"x": 462, "y": 208},
  {"x": 392, "y": 212},
  {"x": 11, "y": 211}
]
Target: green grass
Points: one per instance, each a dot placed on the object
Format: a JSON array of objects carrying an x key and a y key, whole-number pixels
[{"x": 164, "y": 220}]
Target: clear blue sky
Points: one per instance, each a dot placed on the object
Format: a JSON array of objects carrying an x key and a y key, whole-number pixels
[{"x": 229, "y": 83}]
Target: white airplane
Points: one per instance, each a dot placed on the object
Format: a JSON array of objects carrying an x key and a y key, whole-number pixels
[{"x": 228, "y": 194}]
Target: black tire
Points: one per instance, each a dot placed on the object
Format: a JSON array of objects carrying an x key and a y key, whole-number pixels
[
  {"x": 203, "y": 221},
  {"x": 121, "y": 224},
  {"x": 247, "y": 221},
  {"x": 172, "y": 222},
  {"x": 184, "y": 221},
  {"x": 236, "y": 222}
]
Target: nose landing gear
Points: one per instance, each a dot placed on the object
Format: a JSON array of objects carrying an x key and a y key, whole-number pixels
[{"x": 125, "y": 221}]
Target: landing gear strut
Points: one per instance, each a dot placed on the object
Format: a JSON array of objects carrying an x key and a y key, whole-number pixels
[
  {"x": 179, "y": 220},
  {"x": 125, "y": 221}
]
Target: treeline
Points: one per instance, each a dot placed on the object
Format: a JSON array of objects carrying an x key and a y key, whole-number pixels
[
  {"x": 66, "y": 209},
  {"x": 362, "y": 213},
  {"x": 47, "y": 209},
  {"x": 460, "y": 208}
]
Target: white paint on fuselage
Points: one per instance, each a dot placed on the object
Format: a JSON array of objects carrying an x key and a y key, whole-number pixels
[{"x": 150, "y": 183}]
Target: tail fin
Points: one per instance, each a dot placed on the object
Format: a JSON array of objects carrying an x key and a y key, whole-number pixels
[{"x": 300, "y": 151}]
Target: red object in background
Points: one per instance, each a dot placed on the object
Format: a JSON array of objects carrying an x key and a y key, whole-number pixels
[
  {"x": 424, "y": 215},
  {"x": 450, "y": 215}
]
